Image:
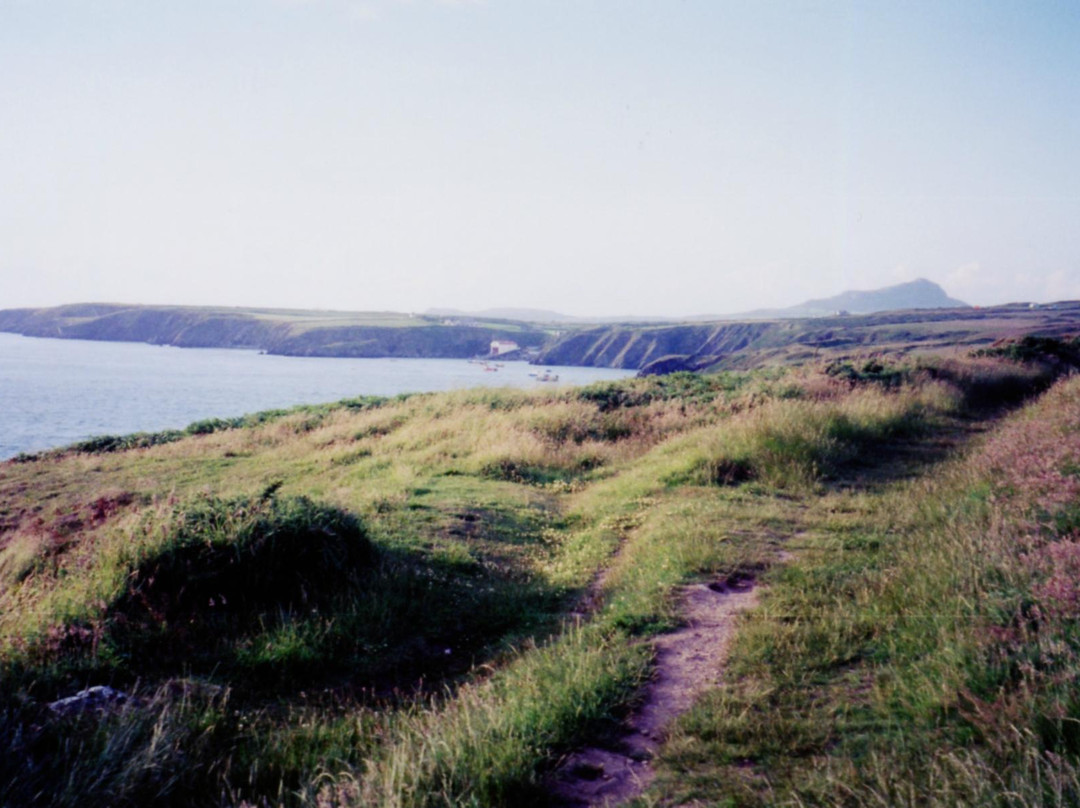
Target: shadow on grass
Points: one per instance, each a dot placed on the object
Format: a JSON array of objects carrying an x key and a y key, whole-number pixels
[
  {"x": 270, "y": 597},
  {"x": 260, "y": 640}
]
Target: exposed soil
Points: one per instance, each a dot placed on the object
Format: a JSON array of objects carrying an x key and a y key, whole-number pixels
[{"x": 689, "y": 661}]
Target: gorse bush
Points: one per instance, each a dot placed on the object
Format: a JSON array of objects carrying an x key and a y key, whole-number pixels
[
  {"x": 119, "y": 443},
  {"x": 196, "y": 585},
  {"x": 107, "y": 444},
  {"x": 578, "y": 422}
]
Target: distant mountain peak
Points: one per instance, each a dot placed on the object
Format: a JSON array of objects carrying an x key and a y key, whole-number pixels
[{"x": 920, "y": 293}]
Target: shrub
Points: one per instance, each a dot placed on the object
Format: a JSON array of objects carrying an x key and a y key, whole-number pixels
[
  {"x": 1033, "y": 348},
  {"x": 188, "y": 588},
  {"x": 687, "y": 387},
  {"x": 105, "y": 444},
  {"x": 516, "y": 471},
  {"x": 870, "y": 372}
]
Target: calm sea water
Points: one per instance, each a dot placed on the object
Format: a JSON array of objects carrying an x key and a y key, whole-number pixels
[{"x": 54, "y": 392}]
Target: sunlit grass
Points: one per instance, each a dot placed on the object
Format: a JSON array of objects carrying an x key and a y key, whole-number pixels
[
  {"x": 455, "y": 664},
  {"x": 921, "y": 648}
]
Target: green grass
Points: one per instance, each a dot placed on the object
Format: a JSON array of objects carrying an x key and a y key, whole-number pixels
[
  {"x": 913, "y": 652},
  {"x": 372, "y": 602}
]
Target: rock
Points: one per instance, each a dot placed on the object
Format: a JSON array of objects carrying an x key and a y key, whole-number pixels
[
  {"x": 677, "y": 363},
  {"x": 100, "y": 697}
]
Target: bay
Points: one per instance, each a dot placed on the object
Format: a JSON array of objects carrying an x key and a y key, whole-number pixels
[{"x": 54, "y": 392}]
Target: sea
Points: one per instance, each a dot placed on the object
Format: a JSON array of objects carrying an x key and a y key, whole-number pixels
[{"x": 54, "y": 392}]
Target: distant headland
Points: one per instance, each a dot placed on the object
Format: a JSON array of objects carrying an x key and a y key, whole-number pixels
[{"x": 911, "y": 316}]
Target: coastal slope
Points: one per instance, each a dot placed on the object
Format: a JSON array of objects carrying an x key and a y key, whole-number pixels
[
  {"x": 757, "y": 343},
  {"x": 276, "y": 331}
]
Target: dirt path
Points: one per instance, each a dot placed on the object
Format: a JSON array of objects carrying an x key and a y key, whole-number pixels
[{"x": 688, "y": 662}]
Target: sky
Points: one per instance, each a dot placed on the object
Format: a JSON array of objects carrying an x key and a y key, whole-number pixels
[{"x": 595, "y": 157}]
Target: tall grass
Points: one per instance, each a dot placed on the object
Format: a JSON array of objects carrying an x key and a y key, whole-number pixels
[
  {"x": 139, "y": 755},
  {"x": 485, "y": 747},
  {"x": 795, "y": 443},
  {"x": 922, "y": 650}
]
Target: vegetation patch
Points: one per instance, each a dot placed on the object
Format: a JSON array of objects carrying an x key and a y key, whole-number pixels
[
  {"x": 933, "y": 661},
  {"x": 682, "y": 386},
  {"x": 873, "y": 370},
  {"x": 227, "y": 564},
  {"x": 428, "y": 601},
  {"x": 316, "y": 413},
  {"x": 795, "y": 443},
  {"x": 1032, "y": 348}
]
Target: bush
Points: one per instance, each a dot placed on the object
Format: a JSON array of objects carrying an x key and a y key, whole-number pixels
[
  {"x": 687, "y": 387},
  {"x": 105, "y": 444},
  {"x": 518, "y": 471},
  {"x": 870, "y": 372},
  {"x": 1033, "y": 348}
]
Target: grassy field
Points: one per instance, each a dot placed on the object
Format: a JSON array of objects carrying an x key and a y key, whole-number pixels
[{"x": 426, "y": 601}]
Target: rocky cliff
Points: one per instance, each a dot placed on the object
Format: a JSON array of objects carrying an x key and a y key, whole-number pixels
[
  {"x": 665, "y": 349},
  {"x": 190, "y": 327},
  {"x": 629, "y": 347},
  {"x": 183, "y": 327}
]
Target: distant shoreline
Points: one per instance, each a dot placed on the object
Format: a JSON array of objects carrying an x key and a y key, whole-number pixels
[{"x": 649, "y": 348}]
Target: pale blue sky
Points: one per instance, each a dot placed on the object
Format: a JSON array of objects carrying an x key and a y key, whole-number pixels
[{"x": 595, "y": 157}]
